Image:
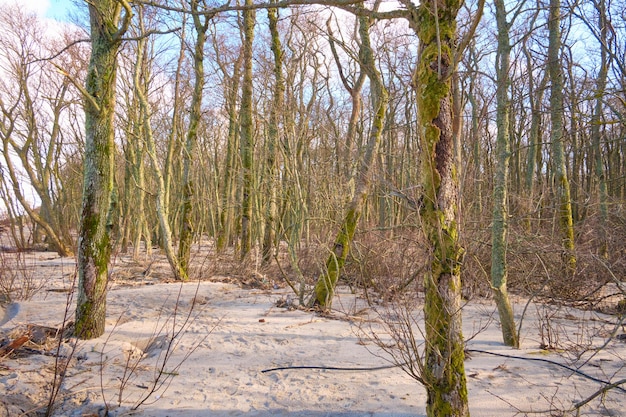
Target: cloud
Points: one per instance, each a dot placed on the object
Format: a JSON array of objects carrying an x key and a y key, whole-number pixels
[{"x": 38, "y": 6}]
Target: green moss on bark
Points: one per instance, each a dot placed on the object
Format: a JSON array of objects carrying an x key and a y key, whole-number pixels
[{"x": 444, "y": 371}]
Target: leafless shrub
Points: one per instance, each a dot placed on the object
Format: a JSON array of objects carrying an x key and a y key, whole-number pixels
[
  {"x": 62, "y": 355},
  {"x": 17, "y": 277},
  {"x": 156, "y": 353}
]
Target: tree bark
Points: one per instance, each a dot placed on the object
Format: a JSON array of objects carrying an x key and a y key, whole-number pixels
[
  {"x": 186, "y": 224},
  {"x": 247, "y": 133},
  {"x": 500, "y": 224},
  {"x": 596, "y": 125},
  {"x": 108, "y": 25},
  {"x": 434, "y": 22},
  {"x": 162, "y": 206},
  {"x": 271, "y": 209},
  {"x": 566, "y": 222}
]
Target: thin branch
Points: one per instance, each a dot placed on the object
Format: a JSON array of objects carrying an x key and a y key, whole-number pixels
[
  {"x": 470, "y": 34},
  {"x": 79, "y": 86}
]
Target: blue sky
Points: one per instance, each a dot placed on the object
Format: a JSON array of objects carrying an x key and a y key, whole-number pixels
[{"x": 58, "y": 9}]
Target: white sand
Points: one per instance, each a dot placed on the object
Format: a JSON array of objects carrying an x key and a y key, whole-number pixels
[{"x": 215, "y": 364}]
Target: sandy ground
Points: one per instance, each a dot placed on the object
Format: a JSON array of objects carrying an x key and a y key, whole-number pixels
[{"x": 200, "y": 349}]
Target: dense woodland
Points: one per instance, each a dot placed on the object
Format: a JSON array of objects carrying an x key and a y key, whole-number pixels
[{"x": 295, "y": 141}]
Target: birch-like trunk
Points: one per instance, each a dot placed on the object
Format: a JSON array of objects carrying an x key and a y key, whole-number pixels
[
  {"x": 596, "y": 124},
  {"x": 162, "y": 205}
]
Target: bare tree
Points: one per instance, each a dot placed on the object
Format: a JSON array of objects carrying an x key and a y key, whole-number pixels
[
  {"x": 500, "y": 187},
  {"x": 186, "y": 226},
  {"x": 325, "y": 286},
  {"x": 34, "y": 99}
]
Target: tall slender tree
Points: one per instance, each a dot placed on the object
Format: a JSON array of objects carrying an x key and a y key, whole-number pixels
[
  {"x": 247, "y": 132},
  {"x": 109, "y": 21},
  {"x": 596, "y": 120},
  {"x": 186, "y": 227},
  {"x": 325, "y": 287},
  {"x": 500, "y": 225},
  {"x": 273, "y": 132},
  {"x": 141, "y": 72},
  {"x": 557, "y": 134}
]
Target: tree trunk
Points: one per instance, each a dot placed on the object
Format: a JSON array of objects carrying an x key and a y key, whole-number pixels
[
  {"x": 444, "y": 369},
  {"x": 186, "y": 223},
  {"x": 247, "y": 133},
  {"x": 535, "y": 97},
  {"x": 500, "y": 225},
  {"x": 162, "y": 206},
  {"x": 596, "y": 124},
  {"x": 227, "y": 191},
  {"x": 566, "y": 222},
  {"x": 325, "y": 287},
  {"x": 271, "y": 209},
  {"x": 94, "y": 248}
]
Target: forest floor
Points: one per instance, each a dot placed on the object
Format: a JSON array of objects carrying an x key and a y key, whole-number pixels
[{"x": 207, "y": 344}]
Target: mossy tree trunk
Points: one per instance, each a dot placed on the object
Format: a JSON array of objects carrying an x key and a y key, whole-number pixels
[
  {"x": 499, "y": 228},
  {"x": 195, "y": 114},
  {"x": 271, "y": 205},
  {"x": 434, "y": 22},
  {"x": 247, "y": 132},
  {"x": 108, "y": 25},
  {"x": 566, "y": 222},
  {"x": 325, "y": 287}
]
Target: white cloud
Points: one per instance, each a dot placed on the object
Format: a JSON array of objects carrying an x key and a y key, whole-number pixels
[{"x": 38, "y": 6}]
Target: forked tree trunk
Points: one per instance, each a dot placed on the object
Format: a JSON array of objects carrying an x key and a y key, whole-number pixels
[
  {"x": 325, "y": 287},
  {"x": 94, "y": 250},
  {"x": 499, "y": 228}
]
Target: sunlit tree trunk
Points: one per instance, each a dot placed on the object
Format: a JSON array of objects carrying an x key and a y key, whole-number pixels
[
  {"x": 500, "y": 224},
  {"x": 186, "y": 226},
  {"x": 162, "y": 206},
  {"x": 346, "y": 165},
  {"x": 325, "y": 287},
  {"x": 108, "y": 25},
  {"x": 247, "y": 133},
  {"x": 444, "y": 371},
  {"x": 566, "y": 223},
  {"x": 271, "y": 208}
]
